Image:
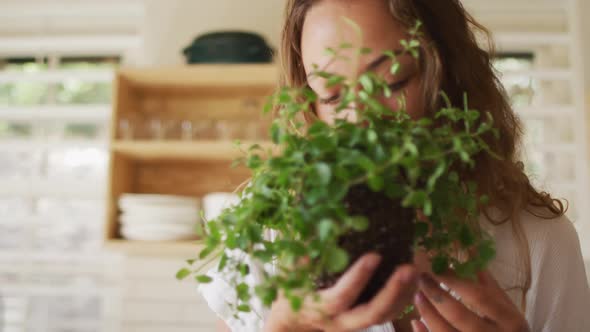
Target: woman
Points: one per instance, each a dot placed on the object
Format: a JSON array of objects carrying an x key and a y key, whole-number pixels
[{"x": 525, "y": 288}]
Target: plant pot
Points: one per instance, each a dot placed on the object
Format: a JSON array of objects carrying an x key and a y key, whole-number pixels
[{"x": 390, "y": 233}]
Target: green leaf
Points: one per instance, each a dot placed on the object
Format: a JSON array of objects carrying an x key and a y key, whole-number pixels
[
  {"x": 244, "y": 308},
  {"x": 484, "y": 199},
  {"x": 363, "y": 95},
  {"x": 330, "y": 51},
  {"x": 415, "y": 199},
  {"x": 222, "y": 262},
  {"x": 420, "y": 229},
  {"x": 243, "y": 291},
  {"x": 264, "y": 255},
  {"x": 424, "y": 122},
  {"x": 323, "y": 172},
  {"x": 376, "y": 182},
  {"x": 367, "y": 83},
  {"x": 372, "y": 136},
  {"x": 285, "y": 96},
  {"x": 386, "y": 91},
  {"x": 359, "y": 223},
  {"x": 275, "y": 133},
  {"x": 395, "y": 68},
  {"x": 325, "y": 228},
  {"x": 466, "y": 237},
  {"x": 309, "y": 94},
  {"x": 254, "y": 147},
  {"x": 244, "y": 269},
  {"x": 486, "y": 251},
  {"x": 237, "y": 162},
  {"x": 268, "y": 106},
  {"x": 254, "y": 161},
  {"x": 440, "y": 264},
  {"x": 183, "y": 273},
  {"x": 466, "y": 270},
  {"x": 203, "y": 279},
  {"x": 427, "y": 208},
  {"x": 472, "y": 187},
  {"x": 354, "y": 25},
  {"x": 335, "y": 80},
  {"x": 366, "y": 163},
  {"x": 440, "y": 169},
  {"x": 205, "y": 252},
  {"x": 389, "y": 54},
  {"x": 267, "y": 294},
  {"x": 394, "y": 191},
  {"x": 365, "y": 50},
  {"x": 411, "y": 147},
  {"x": 336, "y": 259},
  {"x": 296, "y": 303}
]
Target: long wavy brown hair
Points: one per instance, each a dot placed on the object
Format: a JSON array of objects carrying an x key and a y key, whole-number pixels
[{"x": 452, "y": 61}]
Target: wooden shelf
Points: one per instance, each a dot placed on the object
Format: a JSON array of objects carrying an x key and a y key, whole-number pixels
[
  {"x": 206, "y": 76},
  {"x": 233, "y": 93},
  {"x": 173, "y": 150},
  {"x": 183, "y": 249}
]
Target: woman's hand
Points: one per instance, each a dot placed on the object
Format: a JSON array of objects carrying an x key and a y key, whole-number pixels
[
  {"x": 334, "y": 313},
  {"x": 483, "y": 307}
]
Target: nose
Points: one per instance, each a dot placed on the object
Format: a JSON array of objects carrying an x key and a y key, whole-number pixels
[{"x": 349, "y": 113}]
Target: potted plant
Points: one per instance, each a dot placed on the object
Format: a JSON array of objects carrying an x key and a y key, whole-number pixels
[{"x": 388, "y": 183}]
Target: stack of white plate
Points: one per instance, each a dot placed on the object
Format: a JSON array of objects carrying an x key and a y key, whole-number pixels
[
  {"x": 215, "y": 203},
  {"x": 148, "y": 217}
]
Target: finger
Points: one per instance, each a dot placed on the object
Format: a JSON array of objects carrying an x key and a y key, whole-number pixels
[
  {"x": 385, "y": 306},
  {"x": 350, "y": 285},
  {"x": 435, "y": 322},
  {"x": 486, "y": 297},
  {"x": 452, "y": 310},
  {"x": 418, "y": 326},
  {"x": 299, "y": 321}
]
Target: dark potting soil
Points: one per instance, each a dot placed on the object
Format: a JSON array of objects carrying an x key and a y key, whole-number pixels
[{"x": 390, "y": 233}]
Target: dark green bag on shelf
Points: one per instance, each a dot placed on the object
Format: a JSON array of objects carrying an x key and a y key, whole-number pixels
[{"x": 229, "y": 47}]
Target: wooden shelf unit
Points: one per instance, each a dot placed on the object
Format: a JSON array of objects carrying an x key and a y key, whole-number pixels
[
  {"x": 175, "y": 167},
  {"x": 169, "y": 150}
]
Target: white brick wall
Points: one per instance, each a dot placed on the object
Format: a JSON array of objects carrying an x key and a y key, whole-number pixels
[{"x": 154, "y": 301}]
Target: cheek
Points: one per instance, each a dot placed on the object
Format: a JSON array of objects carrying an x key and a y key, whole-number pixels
[
  {"x": 414, "y": 104},
  {"x": 325, "y": 114},
  {"x": 328, "y": 114}
]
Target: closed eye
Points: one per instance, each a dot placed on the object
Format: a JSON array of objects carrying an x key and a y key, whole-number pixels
[
  {"x": 396, "y": 86},
  {"x": 330, "y": 100}
]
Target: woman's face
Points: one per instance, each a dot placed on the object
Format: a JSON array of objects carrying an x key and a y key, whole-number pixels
[{"x": 326, "y": 26}]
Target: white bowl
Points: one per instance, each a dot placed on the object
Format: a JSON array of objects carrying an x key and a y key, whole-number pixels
[
  {"x": 129, "y": 201},
  {"x": 158, "y": 232},
  {"x": 150, "y": 219},
  {"x": 162, "y": 211}
]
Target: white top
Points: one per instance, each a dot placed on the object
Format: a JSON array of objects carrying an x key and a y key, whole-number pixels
[{"x": 558, "y": 300}]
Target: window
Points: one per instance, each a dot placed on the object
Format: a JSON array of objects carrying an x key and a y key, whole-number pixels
[{"x": 54, "y": 114}]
